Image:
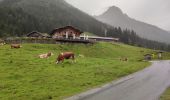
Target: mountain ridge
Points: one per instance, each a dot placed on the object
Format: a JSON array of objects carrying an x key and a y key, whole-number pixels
[{"x": 115, "y": 17}]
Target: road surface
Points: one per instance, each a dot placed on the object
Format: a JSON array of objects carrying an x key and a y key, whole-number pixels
[{"x": 147, "y": 84}]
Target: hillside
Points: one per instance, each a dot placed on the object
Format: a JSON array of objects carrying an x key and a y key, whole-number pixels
[
  {"x": 19, "y": 17},
  {"x": 115, "y": 17},
  {"x": 22, "y": 16},
  {"x": 26, "y": 77}
]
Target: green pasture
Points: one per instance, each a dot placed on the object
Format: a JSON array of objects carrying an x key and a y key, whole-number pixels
[{"x": 23, "y": 76}]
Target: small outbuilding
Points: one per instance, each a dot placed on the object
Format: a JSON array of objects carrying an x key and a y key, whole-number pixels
[
  {"x": 36, "y": 34},
  {"x": 67, "y": 32},
  {"x": 148, "y": 57}
]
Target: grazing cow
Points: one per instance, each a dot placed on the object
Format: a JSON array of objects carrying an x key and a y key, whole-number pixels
[
  {"x": 15, "y": 46},
  {"x": 124, "y": 59},
  {"x": 1, "y": 44},
  {"x": 47, "y": 55},
  {"x": 65, "y": 55}
]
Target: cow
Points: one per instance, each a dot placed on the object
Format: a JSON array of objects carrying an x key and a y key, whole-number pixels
[
  {"x": 124, "y": 59},
  {"x": 47, "y": 55},
  {"x": 65, "y": 55},
  {"x": 16, "y": 46},
  {"x": 1, "y": 44}
]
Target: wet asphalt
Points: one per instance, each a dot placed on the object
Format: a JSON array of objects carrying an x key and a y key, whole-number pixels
[{"x": 147, "y": 84}]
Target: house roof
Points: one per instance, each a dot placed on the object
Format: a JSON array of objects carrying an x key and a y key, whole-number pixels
[
  {"x": 42, "y": 34},
  {"x": 147, "y": 55},
  {"x": 33, "y": 33},
  {"x": 105, "y": 38},
  {"x": 66, "y": 27},
  {"x": 161, "y": 51}
]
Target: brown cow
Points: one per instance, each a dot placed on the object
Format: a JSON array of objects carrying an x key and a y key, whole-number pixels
[
  {"x": 47, "y": 55},
  {"x": 65, "y": 55},
  {"x": 15, "y": 46}
]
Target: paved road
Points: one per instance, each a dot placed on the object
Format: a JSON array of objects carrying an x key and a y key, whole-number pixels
[{"x": 147, "y": 84}]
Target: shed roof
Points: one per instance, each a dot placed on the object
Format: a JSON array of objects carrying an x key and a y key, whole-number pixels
[
  {"x": 147, "y": 55},
  {"x": 161, "y": 51},
  {"x": 33, "y": 33},
  {"x": 41, "y": 34},
  {"x": 105, "y": 38},
  {"x": 66, "y": 27}
]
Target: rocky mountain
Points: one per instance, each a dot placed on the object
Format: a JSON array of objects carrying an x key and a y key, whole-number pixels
[
  {"x": 115, "y": 17},
  {"x": 19, "y": 17}
]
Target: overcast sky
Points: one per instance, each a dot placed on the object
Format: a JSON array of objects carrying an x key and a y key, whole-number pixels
[{"x": 156, "y": 12}]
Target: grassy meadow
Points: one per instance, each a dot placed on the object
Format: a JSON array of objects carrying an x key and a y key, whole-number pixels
[{"x": 23, "y": 76}]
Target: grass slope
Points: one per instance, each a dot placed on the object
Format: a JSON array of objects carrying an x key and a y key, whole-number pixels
[
  {"x": 23, "y": 76},
  {"x": 166, "y": 95}
]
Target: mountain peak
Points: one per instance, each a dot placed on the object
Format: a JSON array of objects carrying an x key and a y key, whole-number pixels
[
  {"x": 114, "y": 10},
  {"x": 115, "y": 17}
]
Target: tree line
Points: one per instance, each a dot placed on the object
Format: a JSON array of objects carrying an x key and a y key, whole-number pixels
[{"x": 130, "y": 37}]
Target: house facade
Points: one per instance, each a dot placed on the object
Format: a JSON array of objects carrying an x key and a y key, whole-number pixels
[{"x": 68, "y": 32}]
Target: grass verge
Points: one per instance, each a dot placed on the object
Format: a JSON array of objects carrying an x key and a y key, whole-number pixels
[{"x": 166, "y": 95}]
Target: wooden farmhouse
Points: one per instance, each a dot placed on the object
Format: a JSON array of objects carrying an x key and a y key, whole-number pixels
[
  {"x": 68, "y": 32},
  {"x": 36, "y": 34}
]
